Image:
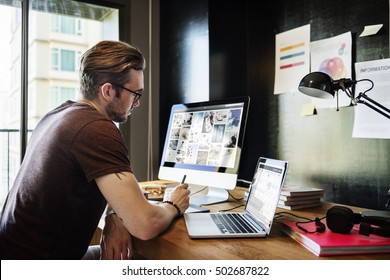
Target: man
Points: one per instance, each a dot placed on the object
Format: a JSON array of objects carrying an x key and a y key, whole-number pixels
[{"x": 76, "y": 162}]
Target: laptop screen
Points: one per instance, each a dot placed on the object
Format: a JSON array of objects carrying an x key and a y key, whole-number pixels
[{"x": 265, "y": 190}]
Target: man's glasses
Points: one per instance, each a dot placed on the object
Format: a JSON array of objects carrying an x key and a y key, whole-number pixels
[{"x": 137, "y": 95}]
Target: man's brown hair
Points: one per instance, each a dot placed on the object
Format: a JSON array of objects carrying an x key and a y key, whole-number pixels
[{"x": 108, "y": 61}]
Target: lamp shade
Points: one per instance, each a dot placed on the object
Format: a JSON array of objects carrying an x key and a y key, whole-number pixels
[{"x": 317, "y": 84}]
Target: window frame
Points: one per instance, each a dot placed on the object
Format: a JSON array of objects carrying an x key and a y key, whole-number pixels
[{"x": 124, "y": 10}]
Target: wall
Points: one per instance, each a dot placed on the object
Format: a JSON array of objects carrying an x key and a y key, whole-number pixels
[
  {"x": 139, "y": 25},
  {"x": 178, "y": 18},
  {"x": 320, "y": 148}
]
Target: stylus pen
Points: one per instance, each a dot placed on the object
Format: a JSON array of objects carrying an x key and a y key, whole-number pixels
[{"x": 184, "y": 179}]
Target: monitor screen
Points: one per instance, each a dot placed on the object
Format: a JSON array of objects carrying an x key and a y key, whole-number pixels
[{"x": 204, "y": 142}]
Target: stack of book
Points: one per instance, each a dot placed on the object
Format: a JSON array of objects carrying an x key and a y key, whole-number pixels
[
  {"x": 297, "y": 197},
  {"x": 329, "y": 243}
]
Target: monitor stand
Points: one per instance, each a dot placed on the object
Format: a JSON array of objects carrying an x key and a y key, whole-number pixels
[{"x": 214, "y": 195}]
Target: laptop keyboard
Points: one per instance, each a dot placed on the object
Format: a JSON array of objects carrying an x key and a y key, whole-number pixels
[{"x": 232, "y": 223}]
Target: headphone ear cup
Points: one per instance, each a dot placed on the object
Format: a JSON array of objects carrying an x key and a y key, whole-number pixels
[{"x": 340, "y": 219}]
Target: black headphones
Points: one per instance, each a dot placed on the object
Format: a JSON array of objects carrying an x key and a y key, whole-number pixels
[{"x": 341, "y": 219}]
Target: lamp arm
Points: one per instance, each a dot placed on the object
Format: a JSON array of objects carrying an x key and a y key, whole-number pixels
[{"x": 381, "y": 110}]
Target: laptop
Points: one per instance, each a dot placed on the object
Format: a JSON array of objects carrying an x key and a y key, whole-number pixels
[{"x": 260, "y": 207}]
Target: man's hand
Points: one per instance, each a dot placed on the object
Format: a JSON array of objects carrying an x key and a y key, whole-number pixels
[{"x": 116, "y": 242}]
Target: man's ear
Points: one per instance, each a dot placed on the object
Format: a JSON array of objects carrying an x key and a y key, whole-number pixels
[{"x": 107, "y": 91}]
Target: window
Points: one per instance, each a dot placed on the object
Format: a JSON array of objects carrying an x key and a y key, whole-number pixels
[
  {"x": 53, "y": 63},
  {"x": 65, "y": 60},
  {"x": 61, "y": 94},
  {"x": 66, "y": 25},
  {"x": 10, "y": 18}
]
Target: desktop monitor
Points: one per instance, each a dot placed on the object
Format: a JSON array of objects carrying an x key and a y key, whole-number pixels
[{"x": 204, "y": 142}]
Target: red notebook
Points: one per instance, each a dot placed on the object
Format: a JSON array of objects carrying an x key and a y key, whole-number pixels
[{"x": 329, "y": 243}]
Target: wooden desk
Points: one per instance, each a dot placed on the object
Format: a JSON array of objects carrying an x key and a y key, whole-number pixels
[{"x": 176, "y": 244}]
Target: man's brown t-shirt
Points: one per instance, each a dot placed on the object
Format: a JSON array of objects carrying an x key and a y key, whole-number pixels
[{"x": 54, "y": 206}]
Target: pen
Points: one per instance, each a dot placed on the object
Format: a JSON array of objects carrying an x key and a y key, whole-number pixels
[{"x": 184, "y": 179}]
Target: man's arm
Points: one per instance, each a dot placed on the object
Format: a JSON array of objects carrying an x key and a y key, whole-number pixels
[
  {"x": 116, "y": 241},
  {"x": 141, "y": 218}
]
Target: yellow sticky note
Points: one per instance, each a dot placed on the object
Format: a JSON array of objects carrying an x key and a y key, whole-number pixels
[
  {"x": 371, "y": 30},
  {"x": 308, "y": 109}
]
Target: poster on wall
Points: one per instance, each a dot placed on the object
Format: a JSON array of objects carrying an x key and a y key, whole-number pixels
[
  {"x": 333, "y": 57},
  {"x": 292, "y": 59},
  {"x": 368, "y": 123}
]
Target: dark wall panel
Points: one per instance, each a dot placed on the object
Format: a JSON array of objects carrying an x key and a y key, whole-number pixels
[
  {"x": 177, "y": 20},
  {"x": 320, "y": 148},
  {"x": 227, "y": 46}
]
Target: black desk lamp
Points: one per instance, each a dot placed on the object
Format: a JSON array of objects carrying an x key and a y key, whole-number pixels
[{"x": 321, "y": 85}]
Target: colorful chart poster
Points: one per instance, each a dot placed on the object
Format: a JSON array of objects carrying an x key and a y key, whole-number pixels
[{"x": 292, "y": 59}]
